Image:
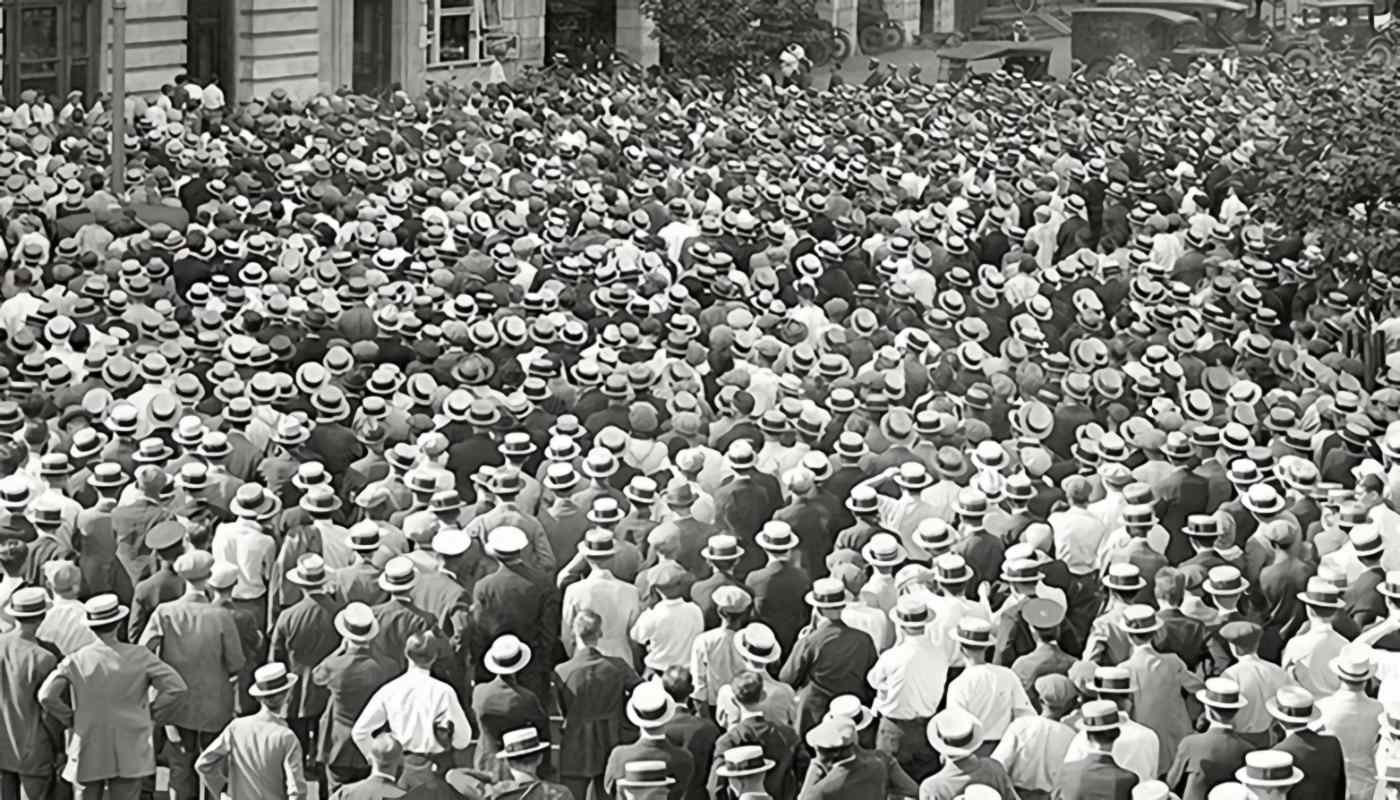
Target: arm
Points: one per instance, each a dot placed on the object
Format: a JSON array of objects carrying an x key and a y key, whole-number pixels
[
  {"x": 153, "y": 635},
  {"x": 234, "y": 657},
  {"x": 169, "y": 686},
  {"x": 794, "y": 671},
  {"x": 899, "y": 783},
  {"x": 374, "y": 717},
  {"x": 699, "y": 668},
  {"x": 292, "y": 775},
  {"x": 53, "y": 694},
  {"x": 136, "y": 624},
  {"x": 277, "y": 649},
  {"x": 566, "y": 623},
  {"x": 212, "y": 764},
  {"x": 461, "y": 728}
]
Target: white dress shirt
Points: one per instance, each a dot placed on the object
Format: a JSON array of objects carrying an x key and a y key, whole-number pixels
[
  {"x": 1078, "y": 533},
  {"x": 1259, "y": 681},
  {"x": 668, "y": 630},
  {"x": 1306, "y": 657},
  {"x": 616, "y": 604},
  {"x": 991, "y": 693},
  {"x": 1033, "y": 751},
  {"x": 909, "y": 678},
  {"x": 1354, "y": 719},
  {"x": 411, "y": 705},
  {"x": 1135, "y": 750},
  {"x": 244, "y": 545}
]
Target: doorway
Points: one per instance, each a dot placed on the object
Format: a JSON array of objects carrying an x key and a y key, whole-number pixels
[
  {"x": 209, "y": 46},
  {"x": 372, "y": 37}
]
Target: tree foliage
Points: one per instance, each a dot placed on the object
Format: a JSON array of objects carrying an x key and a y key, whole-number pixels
[
  {"x": 715, "y": 36},
  {"x": 1335, "y": 171}
]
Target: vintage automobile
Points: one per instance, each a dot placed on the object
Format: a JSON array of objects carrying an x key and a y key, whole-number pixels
[
  {"x": 1345, "y": 26},
  {"x": 1146, "y": 33},
  {"x": 1224, "y": 24},
  {"x": 1036, "y": 60}
]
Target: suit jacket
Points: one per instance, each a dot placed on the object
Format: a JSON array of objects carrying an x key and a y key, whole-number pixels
[
  {"x": 779, "y": 742},
  {"x": 593, "y": 690},
  {"x": 1163, "y": 684},
  {"x": 303, "y": 636},
  {"x": 350, "y": 677},
  {"x": 778, "y": 588},
  {"x": 160, "y": 587},
  {"x": 359, "y": 583},
  {"x": 678, "y": 762},
  {"x": 1206, "y": 760},
  {"x": 130, "y": 523},
  {"x": 375, "y": 787},
  {"x": 200, "y": 641},
  {"x": 102, "y": 693},
  {"x": 1182, "y": 494},
  {"x": 697, "y": 735},
  {"x": 1362, "y": 600},
  {"x": 702, "y": 594},
  {"x": 860, "y": 778},
  {"x": 255, "y": 756},
  {"x": 1319, "y": 756},
  {"x": 449, "y": 605},
  {"x": 29, "y": 738},
  {"x": 515, "y": 599},
  {"x": 742, "y": 506},
  {"x": 399, "y": 620},
  {"x": 499, "y": 708},
  {"x": 1182, "y": 635},
  {"x": 1097, "y": 777}
]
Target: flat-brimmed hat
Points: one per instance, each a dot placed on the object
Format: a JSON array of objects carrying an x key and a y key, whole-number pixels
[
  {"x": 954, "y": 733},
  {"x": 776, "y": 537},
  {"x": 650, "y": 706},
  {"x": 1140, "y": 620},
  {"x": 1321, "y": 594},
  {"x": 272, "y": 679},
  {"x": 357, "y": 623},
  {"x": 737, "y": 762},
  {"x": 974, "y": 632},
  {"x": 757, "y": 644},
  {"x": 1100, "y": 715},
  {"x": 1293, "y": 705},
  {"x": 1225, "y": 580},
  {"x": 1112, "y": 680},
  {"x": 507, "y": 655},
  {"x": 883, "y": 550},
  {"x": 722, "y": 547},
  {"x": 310, "y": 571},
  {"x": 28, "y": 602},
  {"x": 827, "y": 593},
  {"x": 1221, "y": 693},
  {"x": 524, "y": 742},
  {"x": 1268, "y": 768},
  {"x": 1123, "y": 577},
  {"x": 104, "y": 609},
  {"x": 399, "y": 575}
]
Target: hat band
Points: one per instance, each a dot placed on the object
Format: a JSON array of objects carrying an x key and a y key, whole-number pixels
[
  {"x": 523, "y": 745},
  {"x": 915, "y": 618},
  {"x": 359, "y": 630},
  {"x": 1105, "y": 720},
  {"x": 272, "y": 685},
  {"x": 399, "y": 580},
  {"x": 757, "y": 762},
  {"x": 312, "y": 575},
  {"x": 1280, "y": 772},
  {"x": 724, "y": 552},
  {"x": 760, "y": 650},
  {"x": 1114, "y": 684},
  {"x": 1296, "y": 711},
  {"x": 959, "y": 741},
  {"x": 650, "y": 714},
  {"x": 977, "y": 638},
  {"x": 28, "y": 608},
  {"x": 1222, "y": 698},
  {"x": 1229, "y": 585}
]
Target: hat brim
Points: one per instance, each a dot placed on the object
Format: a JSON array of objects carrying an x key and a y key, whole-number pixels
[
  {"x": 643, "y": 722},
  {"x": 257, "y": 691},
  {"x": 496, "y": 668},
  {"x": 1206, "y": 700},
  {"x": 121, "y": 614},
  {"x": 1279, "y": 714},
  {"x": 724, "y": 772},
  {"x": 770, "y": 546},
  {"x": 1312, "y": 601},
  {"x": 358, "y": 638},
  {"x": 529, "y": 751},
  {"x": 1242, "y": 775},
  {"x": 951, "y": 751},
  {"x": 396, "y": 588}
]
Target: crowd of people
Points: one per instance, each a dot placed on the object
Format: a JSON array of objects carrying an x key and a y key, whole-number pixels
[{"x": 614, "y": 435}]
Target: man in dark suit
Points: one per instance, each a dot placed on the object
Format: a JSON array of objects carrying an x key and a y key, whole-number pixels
[
  {"x": 1185, "y": 636},
  {"x": 33, "y": 738},
  {"x": 1363, "y": 602},
  {"x": 1318, "y": 755},
  {"x": 780, "y": 743},
  {"x": 723, "y": 552},
  {"x": 747, "y": 501},
  {"x": 1181, "y": 494},
  {"x": 303, "y": 636},
  {"x": 1097, "y": 776},
  {"x": 650, "y": 709},
  {"x": 445, "y": 600},
  {"x": 350, "y": 678},
  {"x": 167, "y": 541},
  {"x": 844, "y": 773},
  {"x": 696, "y": 733},
  {"x": 592, "y": 690},
  {"x": 516, "y": 599},
  {"x": 779, "y": 586},
  {"x": 200, "y": 641},
  {"x": 831, "y": 660},
  {"x": 1207, "y": 759}
]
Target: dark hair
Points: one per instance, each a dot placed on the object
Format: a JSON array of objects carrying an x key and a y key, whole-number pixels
[
  {"x": 678, "y": 683},
  {"x": 748, "y": 687},
  {"x": 588, "y": 626},
  {"x": 1169, "y": 585}
]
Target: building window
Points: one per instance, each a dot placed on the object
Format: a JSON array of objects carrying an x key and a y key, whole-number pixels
[{"x": 461, "y": 31}]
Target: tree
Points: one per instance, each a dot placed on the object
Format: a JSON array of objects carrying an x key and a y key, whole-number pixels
[{"x": 716, "y": 36}]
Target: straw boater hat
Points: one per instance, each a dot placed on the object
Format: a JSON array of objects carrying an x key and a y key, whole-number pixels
[
  {"x": 399, "y": 575},
  {"x": 738, "y": 762},
  {"x": 1292, "y": 705},
  {"x": 1221, "y": 693},
  {"x": 357, "y": 623},
  {"x": 104, "y": 609},
  {"x": 650, "y": 706},
  {"x": 827, "y": 593},
  {"x": 521, "y": 743},
  {"x": 954, "y": 733},
  {"x": 507, "y": 656},
  {"x": 645, "y": 774},
  {"x": 272, "y": 679},
  {"x": 757, "y": 644},
  {"x": 1269, "y": 769},
  {"x": 1100, "y": 715},
  {"x": 309, "y": 572}
]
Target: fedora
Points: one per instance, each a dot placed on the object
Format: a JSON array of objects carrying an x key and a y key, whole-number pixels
[
  {"x": 357, "y": 623},
  {"x": 507, "y": 656},
  {"x": 271, "y": 679},
  {"x": 757, "y": 644},
  {"x": 954, "y": 733}
]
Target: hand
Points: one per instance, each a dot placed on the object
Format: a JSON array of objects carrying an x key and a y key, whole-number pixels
[
  {"x": 984, "y": 591},
  {"x": 172, "y": 733}
]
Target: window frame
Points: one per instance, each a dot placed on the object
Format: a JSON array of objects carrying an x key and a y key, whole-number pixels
[{"x": 479, "y": 34}]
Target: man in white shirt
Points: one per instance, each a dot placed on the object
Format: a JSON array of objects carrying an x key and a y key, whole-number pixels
[
  {"x": 1308, "y": 653},
  {"x": 667, "y": 630},
  {"x": 908, "y": 680},
  {"x": 990, "y": 692},
  {"x": 420, "y": 711},
  {"x": 64, "y": 626},
  {"x": 1034, "y": 747},
  {"x": 616, "y": 603},
  {"x": 1137, "y": 748}
]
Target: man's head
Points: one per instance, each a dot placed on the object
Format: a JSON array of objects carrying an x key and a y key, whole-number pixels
[
  {"x": 678, "y": 684},
  {"x": 386, "y": 755},
  {"x": 64, "y": 579},
  {"x": 421, "y": 649},
  {"x": 588, "y": 628}
]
